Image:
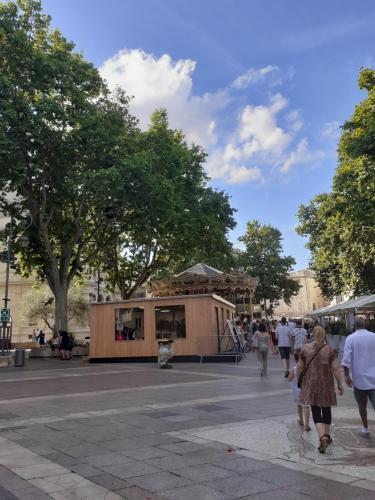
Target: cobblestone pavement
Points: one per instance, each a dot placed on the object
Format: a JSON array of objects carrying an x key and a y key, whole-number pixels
[{"x": 70, "y": 430}]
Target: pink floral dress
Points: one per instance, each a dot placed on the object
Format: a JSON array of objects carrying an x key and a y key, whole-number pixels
[{"x": 318, "y": 388}]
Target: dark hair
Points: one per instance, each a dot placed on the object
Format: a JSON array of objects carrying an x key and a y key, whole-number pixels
[
  {"x": 262, "y": 327},
  {"x": 296, "y": 357},
  {"x": 283, "y": 321},
  {"x": 299, "y": 322}
]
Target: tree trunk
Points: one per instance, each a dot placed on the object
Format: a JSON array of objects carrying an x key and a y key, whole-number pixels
[{"x": 61, "y": 307}]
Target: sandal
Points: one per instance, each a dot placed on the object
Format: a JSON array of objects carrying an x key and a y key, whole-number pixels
[
  {"x": 300, "y": 423},
  {"x": 307, "y": 428},
  {"x": 325, "y": 440}
]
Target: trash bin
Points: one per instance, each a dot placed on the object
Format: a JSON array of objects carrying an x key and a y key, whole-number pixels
[
  {"x": 165, "y": 352},
  {"x": 19, "y": 357}
]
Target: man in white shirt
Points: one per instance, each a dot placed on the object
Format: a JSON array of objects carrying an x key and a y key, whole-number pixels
[
  {"x": 298, "y": 337},
  {"x": 283, "y": 342},
  {"x": 359, "y": 368}
]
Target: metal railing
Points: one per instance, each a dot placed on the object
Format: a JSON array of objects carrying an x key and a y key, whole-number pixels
[{"x": 214, "y": 345}]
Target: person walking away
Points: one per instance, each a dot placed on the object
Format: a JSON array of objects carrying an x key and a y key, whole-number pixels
[
  {"x": 64, "y": 344},
  {"x": 318, "y": 366},
  {"x": 302, "y": 410},
  {"x": 298, "y": 337},
  {"x": 41, "y": 338},
  {"x": 283, "y": 343},
  {"x": 359, "y": 369},
  {"x": 273, "y": 337},
  {"x": 262, "y": 341}
]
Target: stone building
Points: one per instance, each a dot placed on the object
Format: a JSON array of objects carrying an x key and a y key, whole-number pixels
[{"x": 308, "y": 298}]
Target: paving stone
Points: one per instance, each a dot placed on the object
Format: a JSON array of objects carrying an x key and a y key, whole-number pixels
[
  {"x": 204, "y": 472},
  {"x": 280, "y": 494},
  {"x": 196, "y": 492},
  {"x": 129, "y": 470},
  {"x": 146, "y": 452},
  {"x": 109, "y": 481},
  {"x": 242, "y": 465},
  {"x": 60, "y": 482},
  {"x": 85, "y": 470},
  {"x": 283, "y": 477},
  {"x": 241, "y": 486},
  {"x": 160, "y": 481},
  {"x": 157, "y": 439},
  {"x": 332, "y": 490},
  {"x": 39, "y": 470},
  {"x": 63, "y": 459},
  {"x": 91, "y": 492},
  {"x": 6, "y": 494},
  {"x": 135, "y": 493},
  {"x": 174, "y": 462},
  {"x": 84, "y": 450},
  {"x": 183, "y": 447},
  {"x": 31, "y": 493},
  {"x": 108, "y": 459}
]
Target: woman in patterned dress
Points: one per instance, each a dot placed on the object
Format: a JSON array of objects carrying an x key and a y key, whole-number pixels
[{"x": 318, "y": 363}]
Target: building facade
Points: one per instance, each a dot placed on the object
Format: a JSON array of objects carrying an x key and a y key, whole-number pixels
[{"x": 308, "y": 299}]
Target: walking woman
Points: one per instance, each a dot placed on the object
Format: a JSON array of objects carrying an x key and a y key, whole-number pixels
[
  {"x": 318, "y": 366},
  {"x": 262, "y": 341}
]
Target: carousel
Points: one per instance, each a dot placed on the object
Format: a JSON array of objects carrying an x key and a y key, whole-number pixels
[{"x": 203, "y": 279}]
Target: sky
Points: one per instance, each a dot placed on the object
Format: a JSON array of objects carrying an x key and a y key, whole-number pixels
[{"x": 262, "y": 85}]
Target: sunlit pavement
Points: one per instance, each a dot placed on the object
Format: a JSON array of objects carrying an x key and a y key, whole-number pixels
[{"x": 211, "y": 431}]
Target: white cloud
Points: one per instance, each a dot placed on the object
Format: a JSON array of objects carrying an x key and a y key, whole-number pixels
[
  {"x": 252, "y": 76},
  {"x": 331, "y": 130},
  {"x": 161, "y": 82},
  {"x": 258, "y": 130},
  {"x": 231, "y": 171},
  {"x": 301, "y": 155},
  {"x": 261, "y": 137}
]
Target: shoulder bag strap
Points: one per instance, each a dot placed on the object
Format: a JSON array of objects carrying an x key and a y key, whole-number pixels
[{"x": 312, "y": 359}]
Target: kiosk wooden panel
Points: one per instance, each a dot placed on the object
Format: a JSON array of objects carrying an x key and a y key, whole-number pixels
[{"x": 200, "y": 321}]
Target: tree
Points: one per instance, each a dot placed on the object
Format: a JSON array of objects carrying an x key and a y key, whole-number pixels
[
  {"x": 65, "y": 150},
  {"x": 39, "y": 306},
  {"x": 263, "y": 257},
  {"x": 177, "y": 217},
  {"x": 340, "y": 225}
]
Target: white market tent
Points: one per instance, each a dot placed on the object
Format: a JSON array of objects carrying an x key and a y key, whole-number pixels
[{"x": 365, "y": 303}]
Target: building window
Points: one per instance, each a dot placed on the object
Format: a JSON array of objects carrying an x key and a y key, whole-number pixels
[
  {"x": 129, "y": 324},
  {"x": 314, "y": 306},
  {"x": 170, "y": 322}
]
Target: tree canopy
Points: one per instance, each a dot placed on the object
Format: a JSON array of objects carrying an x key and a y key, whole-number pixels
[
  {"x": 340, "y": 225},
  {"x": 65, "y": 143},
  {"x": 180, "y": 220},
  {"x": 99, "y": 192},
  {"x": 263, "y": 257}
]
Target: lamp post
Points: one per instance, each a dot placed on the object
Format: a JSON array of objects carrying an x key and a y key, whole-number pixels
[{"x": 9, "y": 254}]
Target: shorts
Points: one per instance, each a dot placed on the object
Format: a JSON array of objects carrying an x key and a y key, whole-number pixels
[
  {"x": 284, "y": 352},
  {"x": 361, "y": 396}
]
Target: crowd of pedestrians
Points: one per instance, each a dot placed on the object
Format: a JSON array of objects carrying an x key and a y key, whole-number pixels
[{"x": 316, "y": 370}]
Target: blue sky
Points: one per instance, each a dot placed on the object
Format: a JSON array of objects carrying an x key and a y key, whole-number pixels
[{"x": 263, "y": 85}]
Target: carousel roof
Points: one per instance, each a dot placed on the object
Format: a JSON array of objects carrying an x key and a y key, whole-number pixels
[
  {"x": 202, "y": 278},
  {"x": 200, "y": 270}
]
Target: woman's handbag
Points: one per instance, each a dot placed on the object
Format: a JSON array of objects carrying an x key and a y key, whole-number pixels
[{"x": 303, "y": 373}]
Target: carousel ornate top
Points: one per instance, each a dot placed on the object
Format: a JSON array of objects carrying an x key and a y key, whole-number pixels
[{"x": 203, "y": 279}]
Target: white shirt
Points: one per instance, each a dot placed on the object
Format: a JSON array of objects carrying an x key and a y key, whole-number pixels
[
  {"x": 359, "y": 357},
  {"x": 283, "y": 336},
  {"x": 299, "y": 335}
]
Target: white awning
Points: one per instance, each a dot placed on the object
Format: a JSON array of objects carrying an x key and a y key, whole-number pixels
[{"x": 363, "y": 303}]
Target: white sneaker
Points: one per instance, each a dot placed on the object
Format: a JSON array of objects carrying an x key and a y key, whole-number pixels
[{"x": 364, "y": 433}]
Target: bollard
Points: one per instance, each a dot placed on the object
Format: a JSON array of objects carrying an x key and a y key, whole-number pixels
[{"x": 19, "y": 357}]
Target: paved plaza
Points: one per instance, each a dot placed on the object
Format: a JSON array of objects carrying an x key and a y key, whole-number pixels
[{"x": 216, "y": 431}]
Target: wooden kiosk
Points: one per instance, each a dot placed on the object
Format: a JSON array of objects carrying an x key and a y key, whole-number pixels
[{"x": 129, "y": 330}]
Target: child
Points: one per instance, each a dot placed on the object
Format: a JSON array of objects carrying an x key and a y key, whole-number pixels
[{"x": 303, "y": 411}]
